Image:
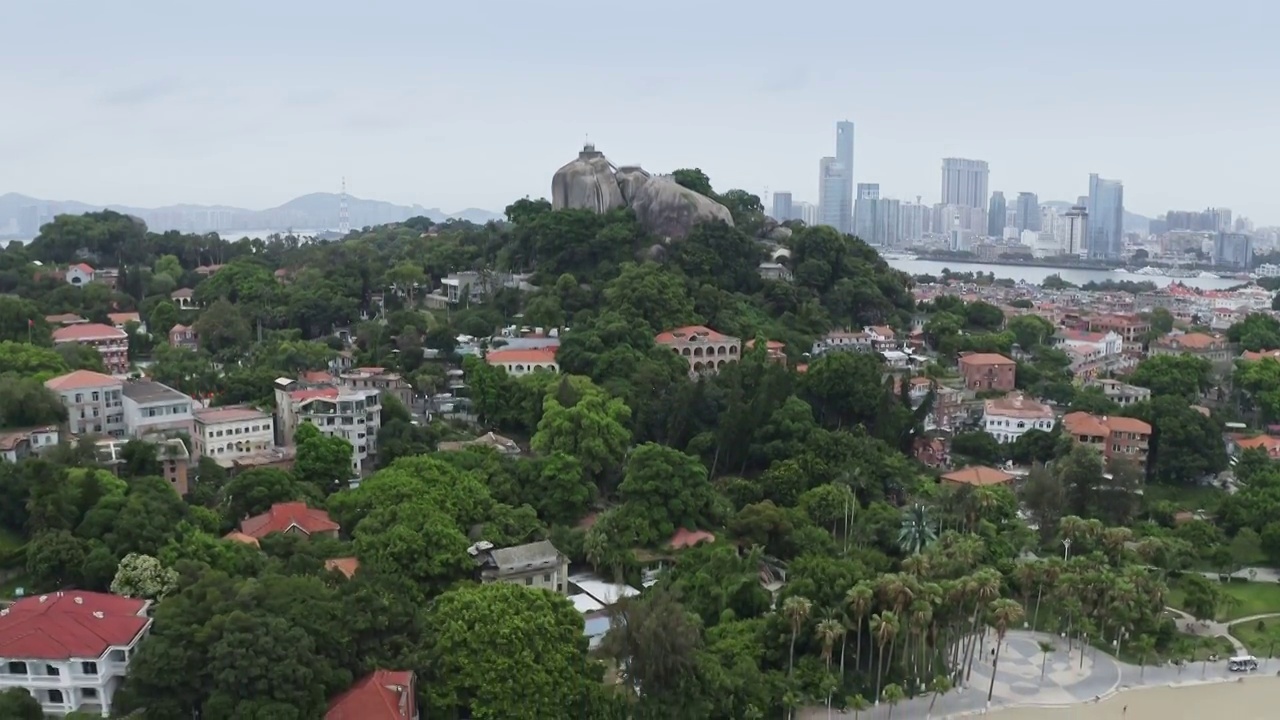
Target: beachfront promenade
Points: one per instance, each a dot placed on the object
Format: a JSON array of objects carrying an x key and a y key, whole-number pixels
[{"x": 1066, "y": 681}]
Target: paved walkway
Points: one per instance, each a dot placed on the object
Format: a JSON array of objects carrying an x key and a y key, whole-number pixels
[
  {"x": 1067, "y": 681},
  {"x": 1191, "y": 626}
]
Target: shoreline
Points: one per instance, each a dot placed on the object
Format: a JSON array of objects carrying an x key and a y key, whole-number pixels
[{"x": 1141, "y": 702}]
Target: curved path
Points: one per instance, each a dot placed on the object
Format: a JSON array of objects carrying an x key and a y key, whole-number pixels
[
  {"x": 1067, "y": 681},
  {"x": 1191, "y": 626}
]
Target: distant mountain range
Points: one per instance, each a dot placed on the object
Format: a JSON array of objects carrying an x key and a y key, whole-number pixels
[
  {"x": 21, "y": 216},
  {"x": 1133, "y": 222}
]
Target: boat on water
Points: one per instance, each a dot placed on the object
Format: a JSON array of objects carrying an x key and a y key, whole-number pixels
[{"x": 897, "y": 256}]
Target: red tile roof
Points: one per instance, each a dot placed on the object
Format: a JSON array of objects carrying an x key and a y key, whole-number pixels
[
  {"x": 380, "y": 695},
  {"x": 684, "y": 538},
  {"x": 978, "y": 475},
  {"x": 310, "y": 393},
  {"x": 71, "y": 624},
  {"x": 985, "y": 359},
  {"x": 83, "y": 267},
  {"x": 345, "y": 565},
  {"x": 228, "y": 414},
  {"x": 81, "y": 379},
  {"x": 64, "y": 319},
  {"x": 121, "y": 318},
  {"x": 88, "y": 331},
  {"x": 283, "y": 516},
  {"x": 537, "y": 355},
  {"x": 237, "y": 536},
  {"x": 683, "y": 334}
]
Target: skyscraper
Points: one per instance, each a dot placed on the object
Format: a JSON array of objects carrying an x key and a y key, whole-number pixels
[
  {"x": 782, "y": 206},
  {"x": 864, "y": 212},
  {"x": 995, "y": 215},
  {"x": 844, "y": 156},
  {"x": 888, "y": 218},
  {"x": 964, "y": 182},
  {"x": 830, "y": 190},
  {"x": 1077, "y": 219},
  {"x": 1028, "y": 212},
  {"x": 1106, "y": 218}
]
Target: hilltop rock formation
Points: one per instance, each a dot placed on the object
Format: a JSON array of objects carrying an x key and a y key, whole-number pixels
[{"x": 664, "y": 207}]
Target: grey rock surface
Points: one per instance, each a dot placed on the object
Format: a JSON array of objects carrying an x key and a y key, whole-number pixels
[
  {"x": 587, "y": 183},
  {"x": 670, "y": 210}
]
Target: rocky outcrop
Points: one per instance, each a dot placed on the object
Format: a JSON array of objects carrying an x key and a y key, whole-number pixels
[
  {"x": 664, "y": 208},
  {"x": 586, "y": 184}
]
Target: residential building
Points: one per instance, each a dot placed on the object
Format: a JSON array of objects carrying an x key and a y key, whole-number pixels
[
  {"x": 155, "y": 408},
  {"x": 1120, "y": 393},
  {"x": 172, "y": 454},
  {"x": 775, "y": 351},
  {"x": 184, "y": 298},
  {"x": 807, "y": 213},
  {"x": 882, "y": 337},
  {"x": 842, "y": 340},
  {"x": 774, "y": 271},
  {"x": 704, "y": 349},
  {"x": 1109, "y": 343},
  {"x": 978, "y": 476},
  {"x": 78, "y": 275},
  {"x": 1106, "y": 218},
  {"x": 831, "y": 184},
  {"x": 121, "y": 319},
  {"x": 1210, "y": 347},
  {"x": 782, "y": 206},
  {"x": 1233, "y": 250},
  {"x": 18, "y": 445},
  {"x": 1006, "y": 419},
  {"x": 988, "y": 371},
  {"x": 1131, "y": 328},
  {"x": 524, "y": 362},
  {"x": 537, "y": 564},
  {"x": 1114, "y": 436},
  {"x": 70, "y": 650},
  {"x": 275, "y": 458},
  {"x": 111, "y": 343},
  {"x": 353, "y": 415},
  {"x": 1076, "y": 232},
  {"x": 94, "y": 402},
  {"x": 387, "y": 383},
  {"x": 228, "y": 433},
  {"x": 380, "y": 695},
  {"x": 964, "y": 182},
  {"x": 865, "y": 207},
  {"x": 1237, "y": 444},
  {"x": 65, "y": 319},
  {"x": 995, "y": 215},
  {"x": 1028, "y": 212},
  {"x": 290, "y": 518},
  {"x": 184, "y": 337}
]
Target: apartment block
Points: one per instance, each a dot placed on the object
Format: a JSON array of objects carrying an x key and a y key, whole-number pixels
[
  {"x": 230, "y": 433},
  {"x": 111, "y": 343},
  {"x": 354, "y": 415},
  {"x": 152, "y": 408},
  {"x": 94, "y": 402}
]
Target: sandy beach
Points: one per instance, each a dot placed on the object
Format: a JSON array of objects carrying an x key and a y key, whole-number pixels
[{"x": 1253, "y": 698}]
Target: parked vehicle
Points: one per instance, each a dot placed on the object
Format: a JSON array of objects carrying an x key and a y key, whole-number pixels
[{"x": 1242, "y": 663}]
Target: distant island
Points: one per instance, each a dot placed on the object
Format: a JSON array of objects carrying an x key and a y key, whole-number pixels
[{"x": 21, "y": 216}]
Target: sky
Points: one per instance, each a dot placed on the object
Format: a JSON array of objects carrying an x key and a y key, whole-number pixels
[{"x": 457, "y": 104}]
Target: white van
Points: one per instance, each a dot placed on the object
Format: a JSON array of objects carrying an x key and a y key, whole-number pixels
[{"x": 1242, "y": 663}]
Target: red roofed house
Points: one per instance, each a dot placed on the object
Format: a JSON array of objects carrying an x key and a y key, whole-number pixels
[
  {"x": 70, "y": 650},
  {"x": 1237, "y": 444},
  {"x": 120, "y": 319},
  {"x": 380, "y": 695},
  {"x": 1114, "y": 436},
  {"x": 1210, "y": 347},
  {"x": 184, "y": 337},
  {"x": 978, "y": 476},
  {"x": 704, "y": 349},
  {"x": 290, "y": 518},
  {"x": 524, "y": 362},
  {"x": 79, "y": 275},
  {"x": 94, "y": 402},
  {"x": 988, "y": 371},
  {"x": 111, "y": 343},
  {"x": 352, "y": 415}
]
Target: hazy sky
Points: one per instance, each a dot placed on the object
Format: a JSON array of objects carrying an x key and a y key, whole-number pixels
[{"x": 456, "y": 103}]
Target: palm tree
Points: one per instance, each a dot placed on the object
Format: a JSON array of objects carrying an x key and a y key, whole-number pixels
[
  {"x": 893, "y": 695},
  {"x": 940, "y": 686},
  {"x": 1027, "y": 575},
  {"x": 858, "y": 599},
  {"x": 916, "y": 532},
  {"x": 885, "y": 627},
  {"x": 986, "y": 586},
  {"x": 1144, "y": 644},
  {"x": 857, "y": 704},
  {"x": 1045, "y": 649},
  {"x": 1004, "y": 612},
  {"x": 796, "y": 608},
  {"x": 829, "y": 630}
]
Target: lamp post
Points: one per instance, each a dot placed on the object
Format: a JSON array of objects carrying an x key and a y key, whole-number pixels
[{"x": 1066, "y": 549}]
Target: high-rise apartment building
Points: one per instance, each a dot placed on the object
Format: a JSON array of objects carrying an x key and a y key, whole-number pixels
[
  {"x": 1077, "y": 231},
  {"x": 888, "y": 217},
  {"x": 914, "y": 220},
  {"x": 1233, "y": 250},
  {"x": 782, "y": 206},
  {"x": 995, "y": 215},
  {"x": 1028, "y": 212},
  {"x": 844, "y": 156},
  {"x": 830, "y": 189},
  {"x": 964, "y": 182},
  {"x": 1106, "y": 218},
  {"x": 864, "y": 212},
  {"x": 807, "y": 213}
]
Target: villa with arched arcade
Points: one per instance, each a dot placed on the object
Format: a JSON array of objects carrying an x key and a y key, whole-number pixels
[{"x": 704, "y": 349}]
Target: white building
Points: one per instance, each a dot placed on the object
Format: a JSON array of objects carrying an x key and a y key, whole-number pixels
[
  {"x": 70, "y": 650},
  {"x": 79, "y": 275},
  {"x": 1109, "y": 343},
  {"x": 229, "y": 433},
  {"x": 16, "y": 445},
  {"x": 524, "y": 362},
  {"x": 94, "y": 402},
  {"x": 353, "y": 415},
  {"x": 155, "y": 408},
  {"x": 1007, "y": 418}
]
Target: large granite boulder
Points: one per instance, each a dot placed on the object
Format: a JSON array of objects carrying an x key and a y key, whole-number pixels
[
  {"x": 664, "y": 208},
  {"x": 670, "y": 210},
  {"x": 587, "y": 183}
]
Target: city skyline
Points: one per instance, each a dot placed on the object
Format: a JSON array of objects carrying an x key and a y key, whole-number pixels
[{"x": 251, "y": 104}]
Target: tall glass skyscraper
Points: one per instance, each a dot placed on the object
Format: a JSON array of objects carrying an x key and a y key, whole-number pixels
[
  {"x": 964, "y": 182},
  {"x": 782, "y": 206},
  {"x": 865, "y": 212},
  {"x": 1106, "y": 218},
  {"x": 844, "y": 156},
  {"x": 995, "y": 215},
  {"x": 831, "y": 187},
  {"x": 1028, "y": 212}
]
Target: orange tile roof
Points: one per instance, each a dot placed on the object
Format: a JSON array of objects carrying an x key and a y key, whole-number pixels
[
  {"x": 1016, "y": 405},
  {"x": 1194, "y": 341},
  {"x": 978, "y": 476},
  {"x": 985, "y": 359},
  {"x": 684, "y": 333},
  {"x": 1082, "y": 423},
  {"x": 310, "y": 393},
  {"x": 1118, "y": 423},
  {"x": 380, "y": 695},
  {"x": 237, "y": 536},
  {"x": 121, "y": 318},
  {"x": 536, "y": 355},
  {"x": 1249, "y": 355},
  {"x": 64, "y": 319},
  {"x": 70, "y": 624},
  {"x": 83, "y": 267},
  {"x": 345, "y": 565},
  {"x": 81, "y": 379},
  {"x": 685, "y": 538},
  {"x": 88, "y": 331},
  {"x": 283, "y": 516}
]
